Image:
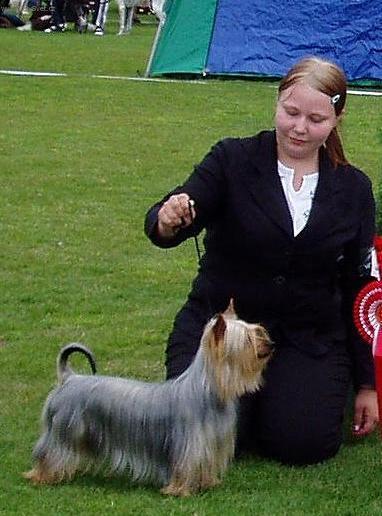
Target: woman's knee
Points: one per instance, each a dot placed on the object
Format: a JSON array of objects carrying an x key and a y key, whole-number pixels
[{"x": 300, "y": 449}]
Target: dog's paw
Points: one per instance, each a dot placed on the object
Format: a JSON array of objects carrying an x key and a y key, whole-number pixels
[{"x": 176, "y": 490}]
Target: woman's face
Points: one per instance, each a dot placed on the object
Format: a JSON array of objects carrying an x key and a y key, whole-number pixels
[{"x": 304, "y": 120}]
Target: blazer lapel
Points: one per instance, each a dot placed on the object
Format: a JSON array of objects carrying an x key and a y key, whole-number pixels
[{"x": 264, "y": 181}]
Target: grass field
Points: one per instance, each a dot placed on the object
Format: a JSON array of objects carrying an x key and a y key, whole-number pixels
[{"x": 82, "y": 159}]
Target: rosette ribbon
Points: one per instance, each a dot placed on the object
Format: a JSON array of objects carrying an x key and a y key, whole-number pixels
[{"x": 368, "y": 320}]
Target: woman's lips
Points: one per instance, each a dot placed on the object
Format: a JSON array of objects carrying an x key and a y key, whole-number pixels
[{"x": 296, "y": 141}]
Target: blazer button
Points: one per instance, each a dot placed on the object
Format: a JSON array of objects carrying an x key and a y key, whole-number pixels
[{"x": 279, "y": 280}]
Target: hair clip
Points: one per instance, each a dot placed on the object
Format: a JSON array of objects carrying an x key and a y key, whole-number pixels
[{"x": 335, "y": 99}]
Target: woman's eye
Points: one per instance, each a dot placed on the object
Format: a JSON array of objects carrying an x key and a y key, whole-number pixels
[{"x": 316, "y": 120}]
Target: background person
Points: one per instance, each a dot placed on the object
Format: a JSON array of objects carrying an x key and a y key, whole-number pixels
[{"x": 8, "y": 20}]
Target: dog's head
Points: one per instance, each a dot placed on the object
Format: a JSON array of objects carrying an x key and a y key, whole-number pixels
[{"x": 237, "y": 353}]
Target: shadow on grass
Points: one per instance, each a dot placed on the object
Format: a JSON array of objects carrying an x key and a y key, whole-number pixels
[{"x": 120, "y": 484}]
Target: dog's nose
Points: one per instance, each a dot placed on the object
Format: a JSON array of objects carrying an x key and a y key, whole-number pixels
[{"x": 267, "y": 350}]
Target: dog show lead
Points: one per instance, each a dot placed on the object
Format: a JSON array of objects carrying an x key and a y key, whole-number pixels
[{"x": 289, "y": 226}]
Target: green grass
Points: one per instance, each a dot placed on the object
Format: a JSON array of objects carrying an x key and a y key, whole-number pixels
[{"x": 82, "y": 159}]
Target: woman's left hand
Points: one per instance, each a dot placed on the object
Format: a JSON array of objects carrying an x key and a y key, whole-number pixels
[{"x": 365, "y": 412}]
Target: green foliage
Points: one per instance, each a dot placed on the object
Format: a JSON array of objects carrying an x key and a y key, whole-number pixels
[{"x": 82, "y": 159}]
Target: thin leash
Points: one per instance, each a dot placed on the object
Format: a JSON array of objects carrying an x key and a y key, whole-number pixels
[{"x": 191, "y": 203}]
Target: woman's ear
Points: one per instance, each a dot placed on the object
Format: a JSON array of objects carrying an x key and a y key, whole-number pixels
[{"x": 341, "y": 115}]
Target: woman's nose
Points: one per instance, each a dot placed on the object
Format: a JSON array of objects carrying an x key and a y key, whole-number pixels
[{"x": 300, "y": 124}]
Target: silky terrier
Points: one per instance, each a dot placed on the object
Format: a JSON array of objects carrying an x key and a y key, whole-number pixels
[{"x": 179, "y": 434}]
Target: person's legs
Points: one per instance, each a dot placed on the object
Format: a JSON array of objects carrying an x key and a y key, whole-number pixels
[
  {"x": 184, "y": 340},
  {"x": 297, "y": 417},
  {"x": 101, "y": 17},
  {"x": 58, "y": 12}
]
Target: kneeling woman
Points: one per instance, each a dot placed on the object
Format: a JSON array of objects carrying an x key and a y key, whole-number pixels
[{"x": 289, "y": 231}]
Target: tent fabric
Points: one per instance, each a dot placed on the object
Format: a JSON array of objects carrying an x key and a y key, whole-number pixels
[
  {"x": 184, "y": 41},
  {"x": 265, "y": 37}
]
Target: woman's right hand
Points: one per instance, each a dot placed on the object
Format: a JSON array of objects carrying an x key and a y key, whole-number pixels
[{"x": 175, "y": 214}]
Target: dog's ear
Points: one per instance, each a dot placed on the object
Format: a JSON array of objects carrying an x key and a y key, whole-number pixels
[
  {"x": 230, "y": 310},
  {"x": 219, "y": 328}
]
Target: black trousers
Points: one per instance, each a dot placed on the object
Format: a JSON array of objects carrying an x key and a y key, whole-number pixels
[
  {"x": 297, "y": 416},
  {"x": 58, "y": 12}
]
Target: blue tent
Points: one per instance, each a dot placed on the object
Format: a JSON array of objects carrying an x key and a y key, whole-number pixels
[{"x": 265, "y": 37}]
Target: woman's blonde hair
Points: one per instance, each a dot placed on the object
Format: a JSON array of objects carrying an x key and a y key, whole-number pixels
[{"x": 327, "y": 78}]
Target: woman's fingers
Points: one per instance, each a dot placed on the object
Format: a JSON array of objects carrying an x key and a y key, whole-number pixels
[
  {"x": 175, "y": 212},
  {"x": 178, "y": 211}
]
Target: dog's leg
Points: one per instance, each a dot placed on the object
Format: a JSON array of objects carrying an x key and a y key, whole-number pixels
[
  {"x": 208, "y": 480},
  {"x": 198, "y": 480},
  {"x": 178, "y": 486},
  {"x": 190, "y": 477},
  {"x": 45, "y": 473},
  {"x": 42, "y": 473},
  {"x": 217, "y": 463},
  {"x": 54, "y": 463},
  {"x": 186, "y": 479}
]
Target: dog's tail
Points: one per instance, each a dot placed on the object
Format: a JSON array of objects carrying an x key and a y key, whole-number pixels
[{"x": 63, "y": 370}]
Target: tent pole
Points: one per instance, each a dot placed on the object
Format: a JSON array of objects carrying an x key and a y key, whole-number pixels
[{"x": 155, "y": 44}]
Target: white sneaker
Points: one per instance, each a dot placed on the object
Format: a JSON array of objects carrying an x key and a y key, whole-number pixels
[
  {"x": 27, "y": 26},
  {"x": 98, "y": 31}
]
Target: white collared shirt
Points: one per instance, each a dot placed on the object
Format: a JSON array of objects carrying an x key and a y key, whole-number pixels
[{"x": 300, "y": 201}]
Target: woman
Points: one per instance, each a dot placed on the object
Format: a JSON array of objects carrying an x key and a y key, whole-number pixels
[{"x": 289, "y": 231}]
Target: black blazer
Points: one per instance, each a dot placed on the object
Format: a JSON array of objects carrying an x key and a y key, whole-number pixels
[{"x": 301, "y": 288}]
